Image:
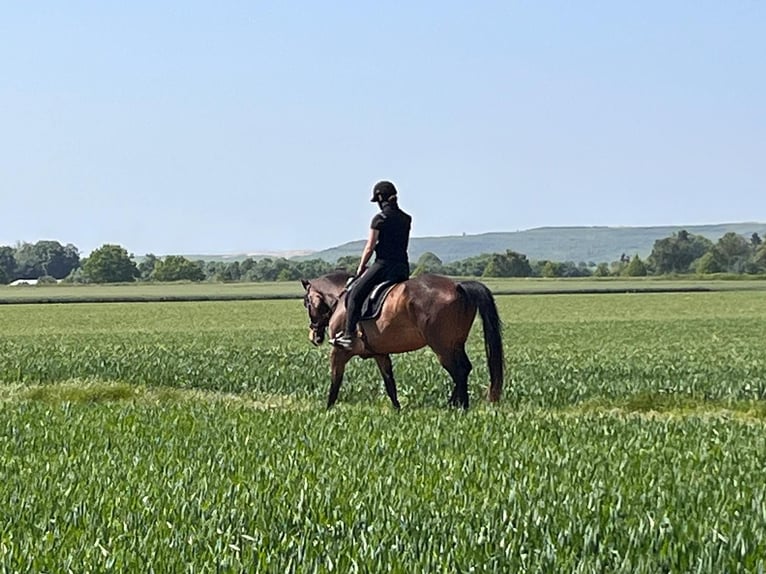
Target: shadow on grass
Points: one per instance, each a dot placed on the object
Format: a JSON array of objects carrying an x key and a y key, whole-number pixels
[
  {"x": 88, "y": 392},
  {"x": 105, "y": 392},
  {"x": 672, "y": 404}
]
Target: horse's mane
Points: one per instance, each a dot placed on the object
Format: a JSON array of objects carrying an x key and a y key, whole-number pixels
[{"x": 338, "y": 277}]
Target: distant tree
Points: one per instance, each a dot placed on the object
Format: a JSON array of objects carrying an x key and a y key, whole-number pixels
[
  {"x": 178, "y": 268},
  {"x": 231, "y": 272},
  {"x": 60, "y": 260},
  {"x": 508, "y": 264},
  {"x": 246, "y": 266},
  {"x": 7, "y": 263},
  {"x": 732, "y": 252},
  {"x": 77, "y": 276},
  {"x": 214, "y": 270},
  {"x": 470, "y": 267},
  {"x": 110, "y": 264},
  {"x": 617, "y": 267},
  {"x": 759, "y": 259},
  {"x": 602, "y": 270},
  {"x": 349, "y": 262},
  {"x": 498, "y": 266},
  {"x": 675, "y": 254},
  {"x": 551, "y": 269},
  {"x": 289, "y": 273},
  {"x": 707, "y": 264},
  {"x": 263, "y": 270},
  {"x": 33, "y": 260},
  {"x": 313, "y": 268},
  {"x": 428, "y": 263},
  {"x": 283, "y": 268},
  {"x": 518, "y": 264},
  {"x": 3, "y": 277},
  {"x": 636, "y": 267},
  {"x": 28, "y": 266},
  {"x": 147, "y": 265},
  {"x": 569, "y": 269},
  {"x": 755, "y": 241}
]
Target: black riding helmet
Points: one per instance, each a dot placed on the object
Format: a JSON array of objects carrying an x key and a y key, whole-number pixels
[{"x": 383, "y": 191}]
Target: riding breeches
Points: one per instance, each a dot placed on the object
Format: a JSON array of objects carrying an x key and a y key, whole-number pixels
[{"x": 375, "y": 275}]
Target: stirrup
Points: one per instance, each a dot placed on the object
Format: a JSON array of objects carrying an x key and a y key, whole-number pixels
[{"x": 343, "y": 341}]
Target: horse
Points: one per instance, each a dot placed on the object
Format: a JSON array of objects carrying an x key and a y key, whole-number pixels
[{"x": 427, "y": 310}]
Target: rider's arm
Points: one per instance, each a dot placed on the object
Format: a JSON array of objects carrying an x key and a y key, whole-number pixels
[{"x": 372, "y": 241}]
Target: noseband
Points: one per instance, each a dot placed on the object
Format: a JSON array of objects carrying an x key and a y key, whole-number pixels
[{"x": 324, "y": 318}]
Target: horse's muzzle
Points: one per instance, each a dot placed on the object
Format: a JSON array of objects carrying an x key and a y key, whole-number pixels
[{"x": 316, "y": 336}]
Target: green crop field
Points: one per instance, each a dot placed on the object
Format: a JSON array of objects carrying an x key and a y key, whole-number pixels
[
  {"x": 192, "y": 437},
  {"x": 150, "y": 292}
]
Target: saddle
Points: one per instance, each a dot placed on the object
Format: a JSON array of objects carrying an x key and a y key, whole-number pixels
[{"x": 373, "y": 304}]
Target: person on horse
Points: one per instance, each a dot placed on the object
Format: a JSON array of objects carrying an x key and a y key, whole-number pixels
[{"x": 389, "y": 238}]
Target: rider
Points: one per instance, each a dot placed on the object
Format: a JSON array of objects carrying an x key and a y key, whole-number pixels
[{"x": 389, "y": 238}]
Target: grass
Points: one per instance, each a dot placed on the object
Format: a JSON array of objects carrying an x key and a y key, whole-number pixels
[
  {"x": 192, "y": 436},
  {"x": 154, "y": 292}
]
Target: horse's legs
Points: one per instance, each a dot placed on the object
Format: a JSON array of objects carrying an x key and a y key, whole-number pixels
[
  {"x": 387, "y": 370},
  {"x": 458, "y": 365},
  {"x": 338, "y": 360}
]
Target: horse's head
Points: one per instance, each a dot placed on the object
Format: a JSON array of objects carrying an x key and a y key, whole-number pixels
[
  {"x": 319, "y": 309},
  {"x": 321, "y": 299}
]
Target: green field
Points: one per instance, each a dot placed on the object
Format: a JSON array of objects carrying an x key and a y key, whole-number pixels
[
  {"x": 150, "y": 292},
  {"x": 192, "y": 436}
]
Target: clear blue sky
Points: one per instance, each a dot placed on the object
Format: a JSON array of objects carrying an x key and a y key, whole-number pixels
[{"x": 219, "y": 127}]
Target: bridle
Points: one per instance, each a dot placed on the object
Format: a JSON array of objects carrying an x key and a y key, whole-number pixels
[{"x": 319, "y": 318}]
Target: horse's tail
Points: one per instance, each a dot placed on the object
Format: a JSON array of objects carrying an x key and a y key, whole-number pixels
[{"x": 480, "y": 296}]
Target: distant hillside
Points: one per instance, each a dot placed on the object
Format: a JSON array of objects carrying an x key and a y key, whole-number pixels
[
  {"x": 597, "y": 244},
  {"x": 294, "y": 254}
]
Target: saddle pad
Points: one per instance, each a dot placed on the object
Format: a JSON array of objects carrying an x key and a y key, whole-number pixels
[{"x": 374, "y": 303}]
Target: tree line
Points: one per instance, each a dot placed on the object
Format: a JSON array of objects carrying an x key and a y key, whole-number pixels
[{"x": 681, "y": 253}]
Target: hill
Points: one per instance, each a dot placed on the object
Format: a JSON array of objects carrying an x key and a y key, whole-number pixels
[{"x": 596, "y": 244}]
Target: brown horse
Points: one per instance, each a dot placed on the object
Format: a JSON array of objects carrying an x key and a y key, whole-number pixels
[{"x": 427, "y": 310}]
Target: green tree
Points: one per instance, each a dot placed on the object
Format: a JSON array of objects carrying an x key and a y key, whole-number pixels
[
  {"x": 289, "y": 273},
  {"x": 470, "y": 267},
  {"x": 147, "y": 265},
  {"x": 569, "y": 269},
  {"x": 602, "y": 270},
  {"x": 428, "y": 263},
  {"x": 46, "y": 258},
  {"x": 214, "y": 270},
  {"x": 518, "y": 264},
  {"x": 497, "y": 267},
  {"x": 676, "y": 253},
  {"x": 732, "y": 252},
  {"x": 110, "y": 264},
  {"x": 246, "y": 266},
  {"x": 636, "y": 268},
  {"x": 759, "y": 259},
  {"x": 178, "y": 268},
  {"x": 349, "y": 262},
  {"x": 7, "y": 264},
  {"x": 707, "y": 264},
  {"x": 313, "y": 268},
  {"x": 550, "y": 269},
  {"x": 231, "y": 272},
  {"x": 27, "y": 263},
  {"x": 508, "y": 264}
]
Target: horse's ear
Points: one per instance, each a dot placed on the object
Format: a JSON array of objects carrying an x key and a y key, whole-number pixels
[{"x": 305, "y": 284}]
